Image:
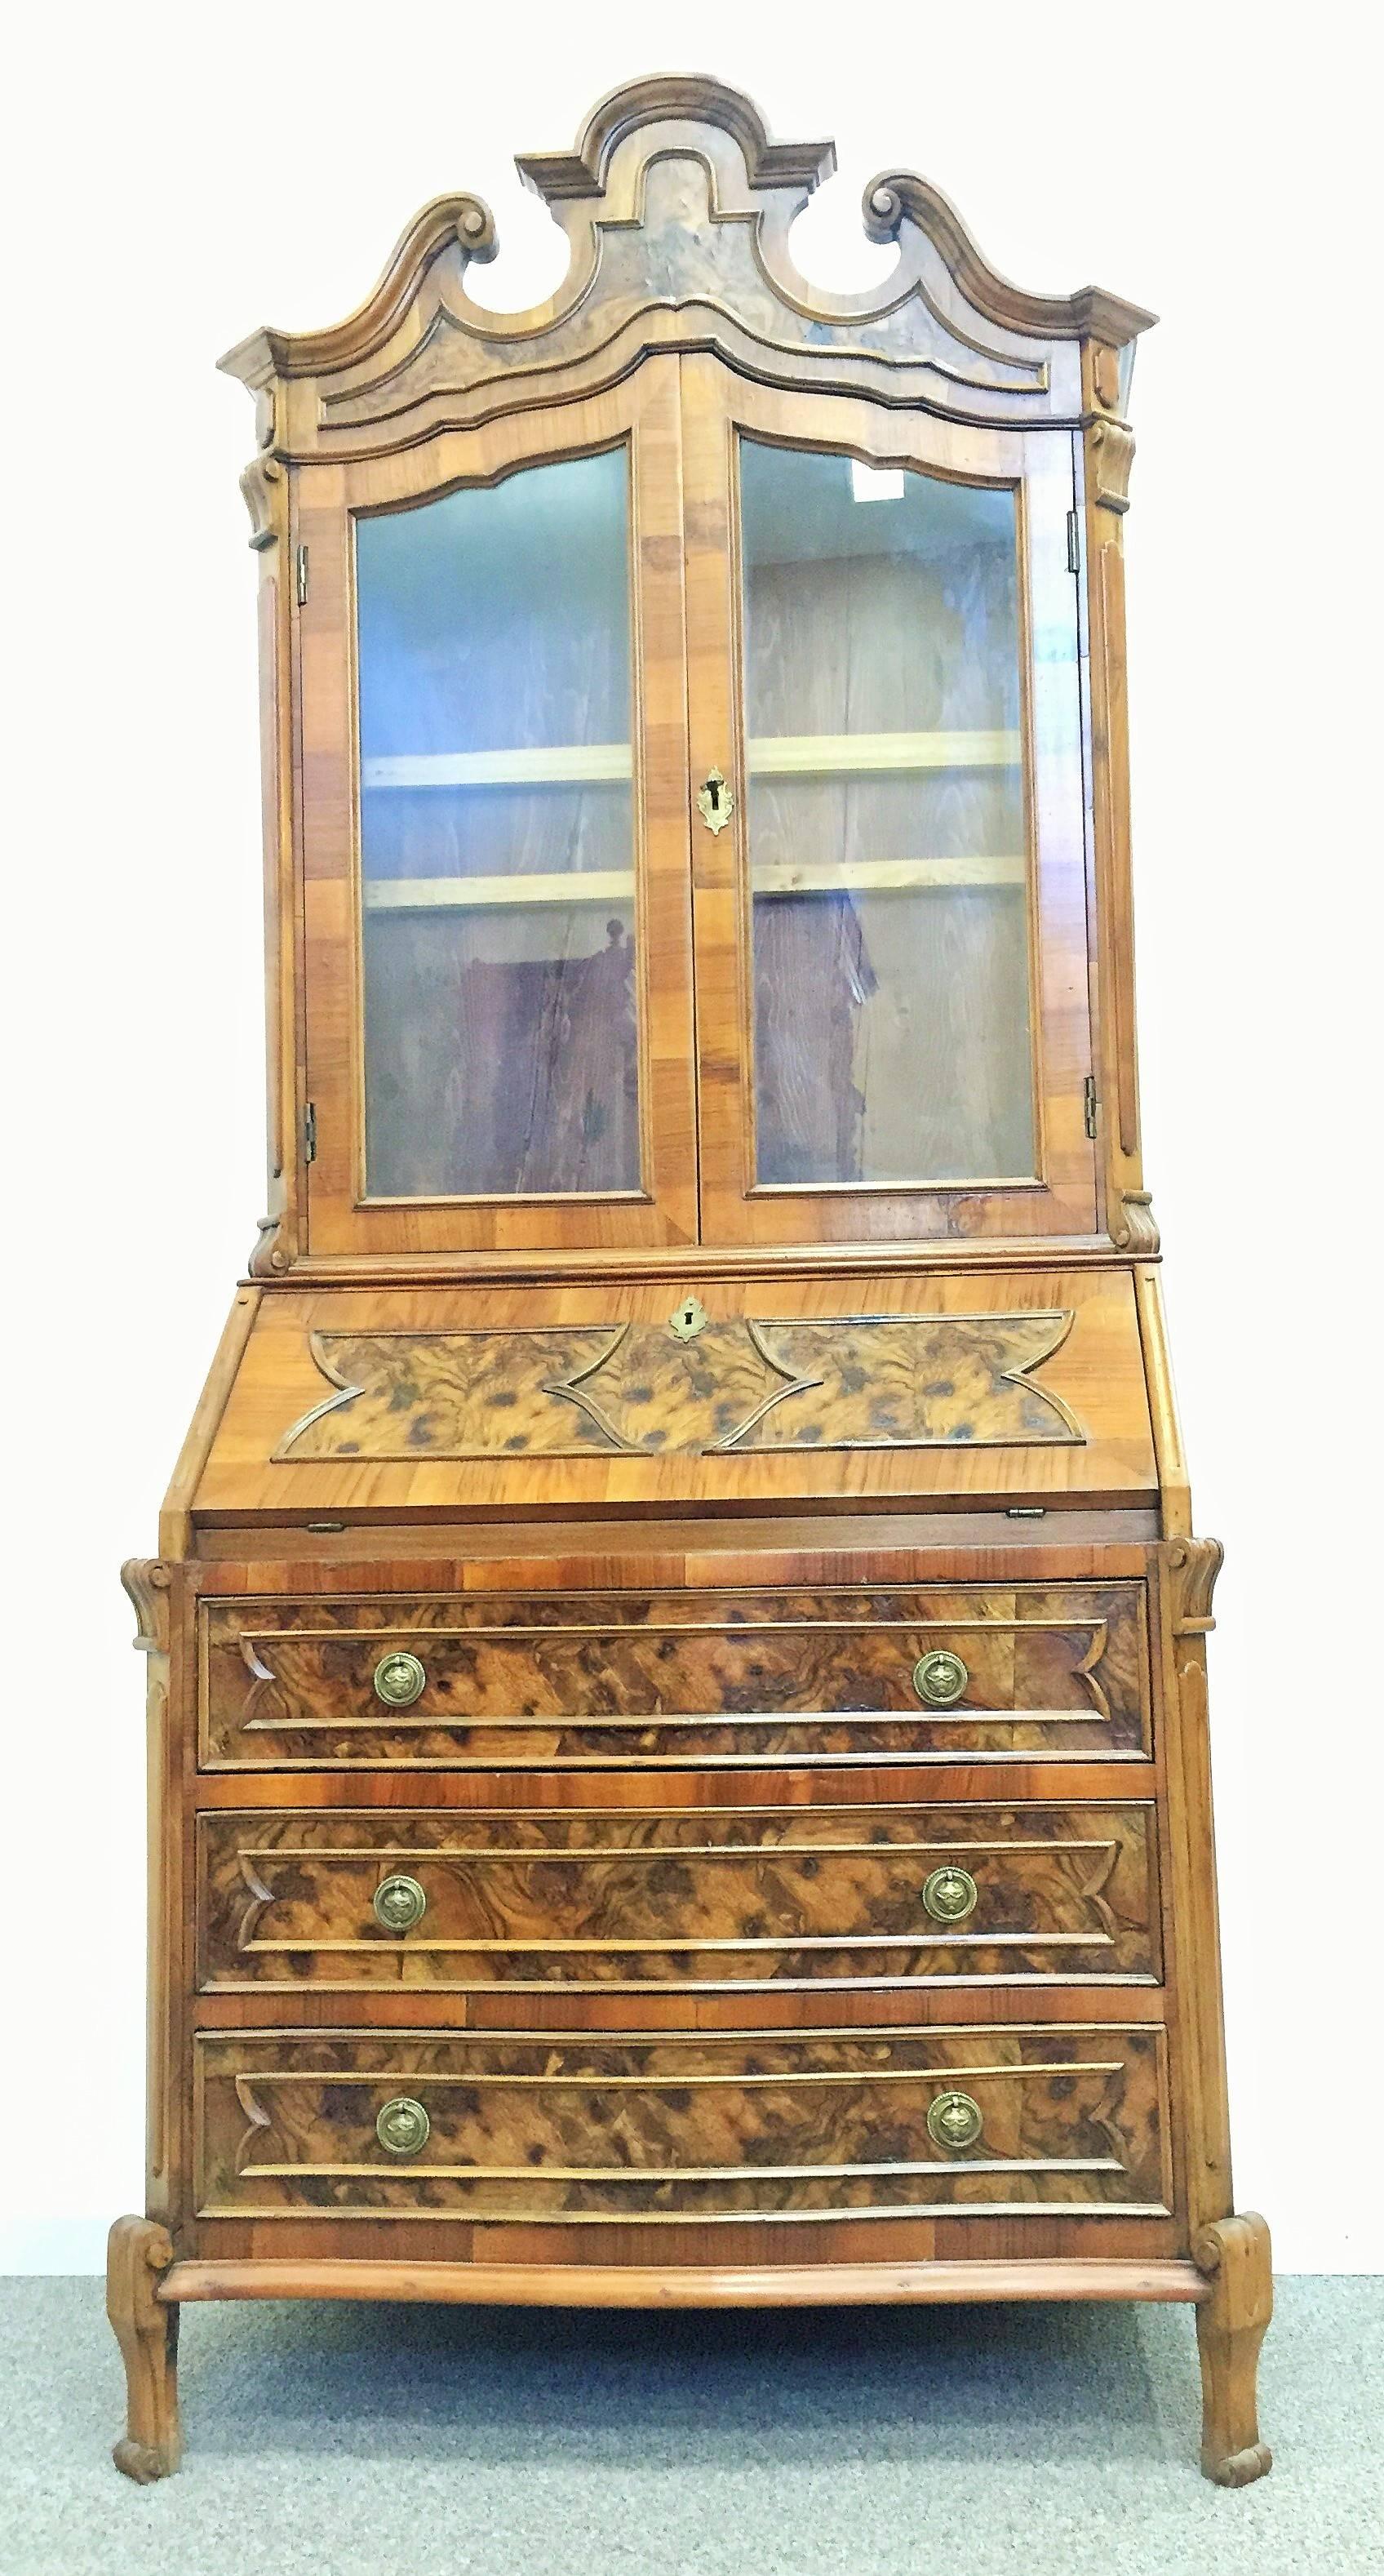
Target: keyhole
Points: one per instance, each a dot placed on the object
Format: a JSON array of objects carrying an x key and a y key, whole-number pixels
[{"x": 715, "y": 802}]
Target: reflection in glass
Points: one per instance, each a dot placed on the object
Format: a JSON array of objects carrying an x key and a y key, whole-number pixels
[
  {"x": 887, "y": 840},
  {"x": 496, "y": 853}
]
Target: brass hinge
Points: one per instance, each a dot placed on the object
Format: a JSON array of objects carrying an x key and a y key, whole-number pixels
[
  {"x": 1088, "y": 1089},
  {"x": 1073, "y": 542},
  {"x": 310, "y": 1132},
  {"x": 300, "y": 563}
]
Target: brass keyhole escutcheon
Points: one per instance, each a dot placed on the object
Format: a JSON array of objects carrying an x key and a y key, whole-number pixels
[
  {"x": 939, "y": 1678},
  {"x": 399, "y": 1903},
  {"x": 954, "y": 2121},
  {"x": 690, "y": 1319},
  {"x": 950, "y": 1894},
  {"x": 403, "y": 2126},
  {"x": 400, "y": 1679},
  {"x": 715, "y": 803}
]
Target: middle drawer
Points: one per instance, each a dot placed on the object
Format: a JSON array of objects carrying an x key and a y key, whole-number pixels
[{"x": 700, "y": 1897}]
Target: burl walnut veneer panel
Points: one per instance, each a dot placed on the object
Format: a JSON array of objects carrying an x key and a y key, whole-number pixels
[
  {"x": 664, "y": 1679},
  {"x": 624, "y": 1899},
  {"x": 525, "y": 2129},
  {"x": 479, "y": 1399},
  {"x": 844, "y": 1382}
]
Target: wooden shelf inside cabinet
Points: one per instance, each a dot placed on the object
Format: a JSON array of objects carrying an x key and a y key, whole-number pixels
[
  {"x": 610, "y": 764},
  {"x": 482, "y": 894},
  {"x": 616, "y": 885},
  {"x": 887, "y": 876}
]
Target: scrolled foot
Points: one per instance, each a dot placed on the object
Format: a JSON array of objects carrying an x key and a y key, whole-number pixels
[
  {"x": 1234, "y": 2254},
  {"x": 138, "y": 2461},
  {"x": 1241, "y": 2469},
  {"x": 146, "y": 2329}
]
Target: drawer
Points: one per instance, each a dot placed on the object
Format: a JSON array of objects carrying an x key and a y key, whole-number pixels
[
  {"x": 813, "y": 2126},
  {"x": 678, "y": 1678},
  {"x": 633, "y": 1899}
]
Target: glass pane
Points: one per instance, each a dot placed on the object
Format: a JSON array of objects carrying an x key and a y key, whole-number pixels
[
  {"x": 496, "y": 852},
  {"x": 886, "y": 824}
]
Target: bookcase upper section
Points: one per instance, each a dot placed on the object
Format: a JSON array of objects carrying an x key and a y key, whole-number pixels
[{"x": 696, "y": 807}]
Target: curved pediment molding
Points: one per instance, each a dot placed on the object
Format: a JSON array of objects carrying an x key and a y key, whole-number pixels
[
  {"x": 678, "y": 207},
  {"x": 461, "y": 225},
  {"x": 691, "y": 97},
  {"x": 898, "y": 199}
]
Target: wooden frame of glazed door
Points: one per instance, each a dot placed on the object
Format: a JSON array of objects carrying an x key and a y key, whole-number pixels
[
  {"x": 1061, "y": 1198},
  {"x": 643, "y": 415}
]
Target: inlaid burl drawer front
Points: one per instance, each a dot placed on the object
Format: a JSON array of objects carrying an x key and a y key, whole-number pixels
[
  {"x": 746, "y": 2125},
  {"x": 921, "y": 1672},
  {"x": 694, "y": 1897}
]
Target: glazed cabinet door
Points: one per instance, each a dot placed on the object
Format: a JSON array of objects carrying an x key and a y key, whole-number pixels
[
  {"x": 495, "y": 835},
  {"x": 888, "y": 840}
]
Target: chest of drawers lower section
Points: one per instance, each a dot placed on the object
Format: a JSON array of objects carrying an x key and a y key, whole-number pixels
[{"x": 676, "y": 1924}]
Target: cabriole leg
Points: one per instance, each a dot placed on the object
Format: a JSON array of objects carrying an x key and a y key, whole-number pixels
[
  {"x": 1231, "y": 2324},
  {"x": 146, "y": 2330}
]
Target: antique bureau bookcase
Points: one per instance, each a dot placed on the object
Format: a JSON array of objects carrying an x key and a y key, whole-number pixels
[{"x": 677, "y": 1701}]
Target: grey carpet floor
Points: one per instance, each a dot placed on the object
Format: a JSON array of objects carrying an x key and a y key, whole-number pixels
[{"x": 392, "y": 2441}]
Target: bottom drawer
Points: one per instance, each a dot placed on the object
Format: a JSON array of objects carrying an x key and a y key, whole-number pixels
[{"x": 816, "y": 2125}]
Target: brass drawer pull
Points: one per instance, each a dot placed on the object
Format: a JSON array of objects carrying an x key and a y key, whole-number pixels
[
  {"x": 954, "y": 2121},
  {"x": 400, "y": 1903},
  {"x": 403, "y": 2126},
  {"x": 400, "y": 1679},
  {"x": 939, "y": 1678},
  {"x": 950, "y": 1894}
]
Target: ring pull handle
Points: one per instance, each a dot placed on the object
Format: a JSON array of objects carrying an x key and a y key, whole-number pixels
[
  {"x": 403, "y": 2126},
  {"x": 950, "y": 1894},
  {"x": 399, "y": 1902},
  {"x": 954, "y": 2121},
  {"x": 400, "y": 1679},
  {"x": 939, "y": 1678}
]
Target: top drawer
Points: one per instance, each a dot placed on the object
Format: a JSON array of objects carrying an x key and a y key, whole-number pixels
[{"x": 918, "y": 1673}]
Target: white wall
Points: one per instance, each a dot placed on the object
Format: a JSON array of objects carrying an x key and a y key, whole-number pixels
[{"x": 183, "y": 174}]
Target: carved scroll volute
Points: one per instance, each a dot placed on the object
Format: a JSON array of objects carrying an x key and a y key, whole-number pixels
[
  {"x": 264, "y": 485},
  {"x": 1110, "y": 447},
  {"x": 451, "y": 232},
  {"x": 1193, "y": 1564},
  {"x": 147, "y": 1581},
  {"x": 1132, "y": 1227}
]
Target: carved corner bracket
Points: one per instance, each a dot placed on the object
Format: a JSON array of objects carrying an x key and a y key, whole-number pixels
[
  {"x": 270, "y": 1257},
  {"x": 1110, "y": 446},
  {"x": 264, "y": 489},
  {"x": 1194, "y": 1564},
  {"x": 146, "y": 1579},
  {"x": 1134, "y": 1228}
]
